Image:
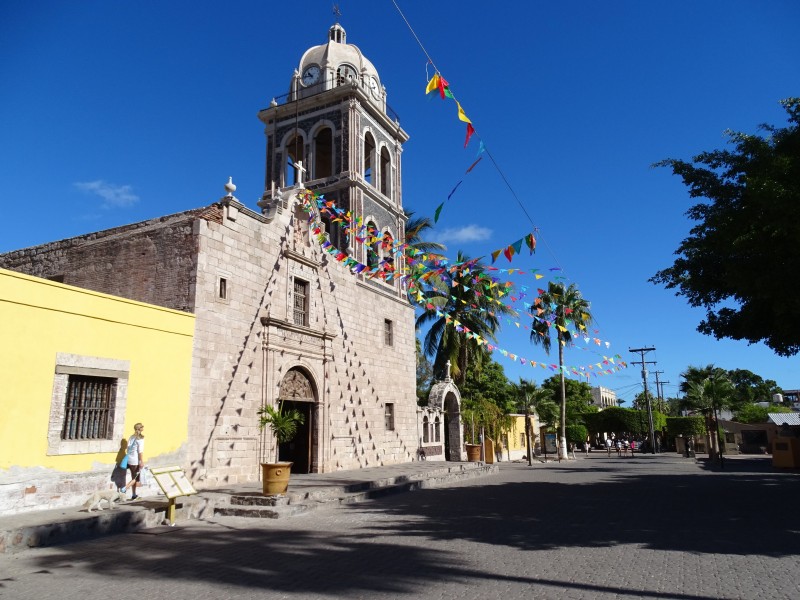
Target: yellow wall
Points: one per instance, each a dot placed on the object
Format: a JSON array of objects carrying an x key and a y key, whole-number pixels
[
  {"x": 515, "y": 447},
  {"x": 39, "y": 318}
]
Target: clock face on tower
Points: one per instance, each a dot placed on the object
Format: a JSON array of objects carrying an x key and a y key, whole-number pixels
[
  {"x": 311, "y": 75},
  {"x": 374, "y": 87}
]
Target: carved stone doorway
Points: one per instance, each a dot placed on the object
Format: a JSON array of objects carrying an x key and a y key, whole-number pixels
[
  {"x": 297, "y": 392},
  {"x": 445, "y": 396}
]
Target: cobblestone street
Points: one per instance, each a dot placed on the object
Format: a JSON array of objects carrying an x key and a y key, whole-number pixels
[{"x": 597, "y": 527}]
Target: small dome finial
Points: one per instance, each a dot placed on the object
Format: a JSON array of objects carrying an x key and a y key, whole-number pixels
[{"x": 230, "y": 188}]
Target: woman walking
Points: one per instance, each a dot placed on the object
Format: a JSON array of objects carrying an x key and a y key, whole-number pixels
[{"x": 136, "y": 457}]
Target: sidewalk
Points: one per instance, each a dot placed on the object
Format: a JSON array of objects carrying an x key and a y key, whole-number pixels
[{"x": 306, "y": 492}]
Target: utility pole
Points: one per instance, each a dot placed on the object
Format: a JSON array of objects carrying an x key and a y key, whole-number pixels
[
  {"x": 644, "y": 364},
  {"x": 660, "y": 390}
]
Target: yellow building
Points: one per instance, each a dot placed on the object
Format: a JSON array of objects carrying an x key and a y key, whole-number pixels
[
  {"x": 78, "y": 370},
  {"x": 514, "y": 442}
]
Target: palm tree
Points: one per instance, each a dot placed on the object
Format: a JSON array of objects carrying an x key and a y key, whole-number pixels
[
  {"x": 707, "y": 390},
  {"x": 415, "y": 227},
  {"x": 466, "y": 308},
  {"x": 416, "y": 246},
  {"x": 533, "y": 399},
  {"x": 559, "y": 308}
]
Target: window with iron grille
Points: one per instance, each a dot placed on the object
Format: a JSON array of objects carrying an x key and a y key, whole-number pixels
[
  {"x": 388, "y": 416},
  {"x": 88, "y": 411},
  {"x": 300, "y": 302},
  {"x": 388, "y": 332},
  {"x": 87, "y": 405}
]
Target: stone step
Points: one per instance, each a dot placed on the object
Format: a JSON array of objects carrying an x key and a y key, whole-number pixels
[{"x": 297, "y": 502}]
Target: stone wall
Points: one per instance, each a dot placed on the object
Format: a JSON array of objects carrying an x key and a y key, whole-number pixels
[{"x": 151, "y": 261}]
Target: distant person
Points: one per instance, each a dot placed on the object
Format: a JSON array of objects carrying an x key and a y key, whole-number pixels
[{"x": 608, "y": 446}]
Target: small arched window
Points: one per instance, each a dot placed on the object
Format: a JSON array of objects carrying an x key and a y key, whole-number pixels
[
  {"x": 387, "y": 253},
  {"x": 372, "y": 245},
  {"x": 323, "y": 153},
  {"x": 369, "y": 158},
  {"x": 437, "y": 436},
  {"x": 425, "y": 433},
  {"x": 386, "y": 172}
]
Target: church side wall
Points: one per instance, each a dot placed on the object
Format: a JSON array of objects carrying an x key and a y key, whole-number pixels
[{"x": 149, "y": 262}]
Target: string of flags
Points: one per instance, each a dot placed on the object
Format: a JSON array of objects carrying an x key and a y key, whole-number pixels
[{"x": 385, "y": 270}]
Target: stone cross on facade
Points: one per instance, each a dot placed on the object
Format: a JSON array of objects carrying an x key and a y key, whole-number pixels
[
  {"x": 447, "y": 374},
  {"x": 300, "y": 170}
]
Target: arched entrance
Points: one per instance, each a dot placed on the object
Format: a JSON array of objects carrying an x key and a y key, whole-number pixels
[
  {"x": 297, "y": 392},
  {"x": 445, "y": 396}
]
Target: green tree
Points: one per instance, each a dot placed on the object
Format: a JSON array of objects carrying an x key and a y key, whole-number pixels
[
  {"x": 561, "y": 308},
  {"x": 457, "y": 310},
  {"x": 685, "y": 426},
  {"x": 532, "y": 399},
  {"x": 709, "y": 394},
  {"x": 577, "y": 434},
  {"x": 735, "y": 261},
  {"x": 490, "y": 382},
  {"x": 753, "y": 413},
  {"x": 751, "y": 387},
  {"x": 424, "y": 375},
  {"x": 579, "y": 397}
]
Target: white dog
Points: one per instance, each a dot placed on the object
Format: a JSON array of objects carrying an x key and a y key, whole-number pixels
[{"x": 109, "y": 496}]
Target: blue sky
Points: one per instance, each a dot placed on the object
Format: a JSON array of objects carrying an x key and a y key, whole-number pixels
[{"x": 116, "y": 112}]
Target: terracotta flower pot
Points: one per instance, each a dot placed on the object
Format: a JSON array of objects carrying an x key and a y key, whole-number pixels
[
  {"x": 473, "y": 452},
  {"x": 275, "y": 477}
]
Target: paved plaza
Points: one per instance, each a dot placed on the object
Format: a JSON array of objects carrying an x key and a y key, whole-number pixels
[{"x": 596, "y": 527}]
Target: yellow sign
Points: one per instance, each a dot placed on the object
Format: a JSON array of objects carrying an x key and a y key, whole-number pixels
[{"x": 173, "y": 482}]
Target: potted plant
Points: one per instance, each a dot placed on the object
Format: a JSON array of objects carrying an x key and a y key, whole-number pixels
[{"x": 283, "y": 424}]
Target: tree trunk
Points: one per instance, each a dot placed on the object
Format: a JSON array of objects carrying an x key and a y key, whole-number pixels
[
  {"x": 562, "y": 450},
  {"x": 528, "y": 435},
  {"x": 711, "y": 438}
]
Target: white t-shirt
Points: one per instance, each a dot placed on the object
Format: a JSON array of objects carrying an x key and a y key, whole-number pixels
[{"x": 135, "y": 448}]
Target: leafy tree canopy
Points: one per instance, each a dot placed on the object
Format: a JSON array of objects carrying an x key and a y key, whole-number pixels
[
  {"x": 490, "y": 382},
  {"x": 753, "y": 413},
  {"x": 751, "y": 387},
  {"x": 579, "y": 396},
  {"x": 686, "y": 426},
  {"x": 424, "y": 376},
  {"x": 736, "y": 259}
]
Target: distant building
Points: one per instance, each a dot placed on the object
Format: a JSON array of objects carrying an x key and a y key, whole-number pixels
[{"x": 604, "y": 397}]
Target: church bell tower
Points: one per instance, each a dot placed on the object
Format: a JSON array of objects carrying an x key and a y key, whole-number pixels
[{"x": 334, "y": 133}]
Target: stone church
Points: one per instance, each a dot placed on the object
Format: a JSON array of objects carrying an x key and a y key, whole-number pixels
[{"x": 277, "y": 318}]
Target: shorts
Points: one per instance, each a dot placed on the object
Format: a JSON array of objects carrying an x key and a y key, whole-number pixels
[{"x": 134, "y": 469}]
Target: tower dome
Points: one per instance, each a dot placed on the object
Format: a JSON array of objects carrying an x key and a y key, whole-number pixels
[{"x": 334, "y": 64}]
